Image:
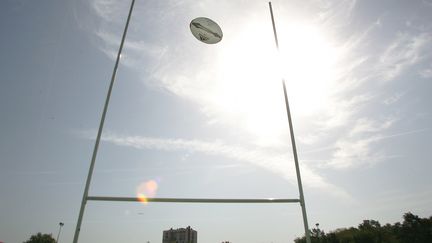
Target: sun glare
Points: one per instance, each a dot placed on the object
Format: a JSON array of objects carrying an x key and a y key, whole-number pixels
[
  {"x": 308, "y": 62},
  {"x": 250, "y": 71},
  {"x": 146, "y": 190}
]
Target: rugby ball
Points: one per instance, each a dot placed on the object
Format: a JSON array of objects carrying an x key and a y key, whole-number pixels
[{"x": 206, "y": 30}]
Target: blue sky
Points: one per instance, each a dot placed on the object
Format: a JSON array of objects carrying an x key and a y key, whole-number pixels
[{"x": 202, "y": 120}]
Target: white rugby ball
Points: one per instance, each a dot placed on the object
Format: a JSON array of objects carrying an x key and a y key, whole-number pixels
[{"x": 206, "y": 30}]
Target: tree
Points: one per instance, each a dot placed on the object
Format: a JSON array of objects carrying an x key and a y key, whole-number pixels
[
  {"x": 412, "y": 230},
  {"x": 41, "y": 238},
  {"x": 415, "y": 229}
]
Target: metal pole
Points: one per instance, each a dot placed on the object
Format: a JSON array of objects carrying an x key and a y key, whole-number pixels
[
  {"x": 96, "y": 146},
  {"x": 299, "y": 182},
  {"x": 58, "y": 235},
  {"x": 191, "y": 200}
]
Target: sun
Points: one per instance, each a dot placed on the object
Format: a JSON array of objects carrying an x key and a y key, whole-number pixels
[{"x": 250, "y": 70}]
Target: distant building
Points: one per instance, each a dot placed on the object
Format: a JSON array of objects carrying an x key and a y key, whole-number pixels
[{"x": 180, "y": 235}]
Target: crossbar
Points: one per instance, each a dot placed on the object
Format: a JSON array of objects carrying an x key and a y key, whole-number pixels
[{"x": 191, "y": 200}]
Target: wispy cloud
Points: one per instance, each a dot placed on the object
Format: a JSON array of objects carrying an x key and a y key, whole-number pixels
[
  {"x": 364, "y": 125},
  {"x": 342, "y": 111},
  {"x": 109, "y": 10},
  {"x": 352, "y": 138},
  {"x": 353, "y": 152},
  {"x": 355, "y": 149},
  {"x": 394, "y": 98},
  {"x": 271, "y": 161},
  {"x": 135, "y": 53},
  {"x": 426, "y": 73},
  {"x": 337, "y": 13},
  {"x": 405, "y": 51}
]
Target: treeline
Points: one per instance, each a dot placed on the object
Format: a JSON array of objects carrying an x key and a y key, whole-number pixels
[{"x": 412, "y": 230}]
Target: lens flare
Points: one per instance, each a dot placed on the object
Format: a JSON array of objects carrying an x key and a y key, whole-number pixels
[
  {"x": 146, "y": 190},
  {"x": 142, "y": 198}
]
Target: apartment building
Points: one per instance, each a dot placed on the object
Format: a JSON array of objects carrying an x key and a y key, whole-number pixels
[{"x": 181, "y": 235}]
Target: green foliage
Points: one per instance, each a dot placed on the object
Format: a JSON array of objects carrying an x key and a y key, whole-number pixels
[
  {"x": 41, "y": 238},
  {"x": 412, "y": 230}
]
